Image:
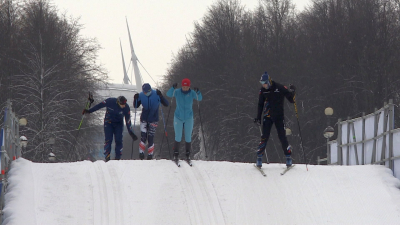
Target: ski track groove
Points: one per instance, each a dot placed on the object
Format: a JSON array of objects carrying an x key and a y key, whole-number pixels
[
  {"x": 318, "y": 191},
  {"x": 109, "y": 206},
  {"x": 212, "y": 203},
  {"x": 96, "y": 203},
  {"x": 195, "y": 209},
  {"x": 102, "y": 193},
  {"x": 117, "y": 191},
  {"x": 180, "y": 178}
]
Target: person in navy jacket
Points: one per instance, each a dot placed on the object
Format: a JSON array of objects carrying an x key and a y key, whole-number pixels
[
  {"x": 270, "y": 111},
  {"x": 117, "y": 109},
  {"x": 150, "y": 100},
  {"x": 183, "y": 116}
]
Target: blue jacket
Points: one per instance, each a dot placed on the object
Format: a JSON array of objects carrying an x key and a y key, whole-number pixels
[
  {"x": 150, "y": 106},
  {"x": 184, "y": 102},
  {"x": 114, "y": 113}
]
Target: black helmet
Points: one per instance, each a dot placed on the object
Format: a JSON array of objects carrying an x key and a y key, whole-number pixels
[{"x": 121, "y": 100}]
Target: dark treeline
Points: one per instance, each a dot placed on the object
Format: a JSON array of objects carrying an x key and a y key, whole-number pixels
[
  {"x": 339, "y": 53},
  {"x": 47, "y": 70}
]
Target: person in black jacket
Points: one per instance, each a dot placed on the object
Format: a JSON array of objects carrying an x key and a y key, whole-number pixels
[{"x": 270, "y": 111}]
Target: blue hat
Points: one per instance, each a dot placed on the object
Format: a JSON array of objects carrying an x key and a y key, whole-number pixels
[
  {"x": 266, "y": 79},
  {"x": 146, "y": 88}
]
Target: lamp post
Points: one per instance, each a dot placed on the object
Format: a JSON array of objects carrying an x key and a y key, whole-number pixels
[
  {"x": 328, "y": 133},
  {"x": 23, "y": 141},
  {"x": 52, "y": 156}
]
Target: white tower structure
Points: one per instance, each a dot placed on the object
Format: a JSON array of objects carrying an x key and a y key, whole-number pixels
[{"x": 134, "y": 60}]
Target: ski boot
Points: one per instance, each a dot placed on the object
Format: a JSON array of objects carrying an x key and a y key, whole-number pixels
[
  {"x": 149, "y": 157},
  {"x": 141, "y": 155},
  {"x": 108, "y": 157},
  {"x": 259, "y": 161},
  {"x": 188, "y": 148},
  {"x": 288, "y": 160},
  {"x": 176, "y": 150}
]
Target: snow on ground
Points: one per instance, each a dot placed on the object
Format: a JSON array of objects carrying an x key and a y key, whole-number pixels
[{"x": 158, "y": 192}]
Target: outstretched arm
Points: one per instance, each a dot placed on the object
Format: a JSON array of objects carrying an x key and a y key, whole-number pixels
[
  {"x": 99, "y": 106},
  {"x": 260, "y": 105},
  {"x": 127, "y": 114},
  {"x": 162, "y": 99}
]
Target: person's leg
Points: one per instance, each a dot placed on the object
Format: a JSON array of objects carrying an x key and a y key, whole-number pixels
[
  {"x": 178, "y": 127},
  {"x": 280, "y": 128},
  {"x": 143, "y": 139},
  {"x": 267, "y": 124},
  {"x": 188, "y": 129},
  {"x": 108, "y": 136},
  {"x": 118, "y": 129},
  {"x": 151, "y": 132},
  {"x": 287, "y": 149}
]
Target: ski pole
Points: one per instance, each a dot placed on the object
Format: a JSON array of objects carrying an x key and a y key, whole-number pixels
[
  {"x": 298, "y": 124},
  {"x": 134, "y": 121},
  {"x": 201, "y": 125},
  {"x": 166, "y": 134},
  {"x": 88, "y": 104},
  {"x": 165, "y": 129},
  {"x": 265, "y": 150}
]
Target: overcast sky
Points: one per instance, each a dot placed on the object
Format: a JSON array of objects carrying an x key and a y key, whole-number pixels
[{"x": 158, "y": 29}]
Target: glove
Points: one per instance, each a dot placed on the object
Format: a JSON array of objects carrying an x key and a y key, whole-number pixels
[
  {"x": 133, "y": 136},
  {"x": 196, "y": 89},
  {"x": 135, "y": 97},
  {"x": 159, "y": 93},
  {"x": 85, "y": 111},
  {"x": 292, "y": 87},
  {"x": 257, "y": 121},
  {"x": 175, "y": 85}
]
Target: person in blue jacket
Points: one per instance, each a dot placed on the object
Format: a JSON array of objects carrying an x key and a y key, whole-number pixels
[
  {"x": 150, "y": 100},
  {"x": 117, "y": 109},
  {"x": 183, "y": 116}
]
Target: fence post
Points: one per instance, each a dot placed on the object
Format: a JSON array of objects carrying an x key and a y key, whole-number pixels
[
  {"x": 376, "y": 121},
  {"x": 363, "y": 139},
  {"x": 348, "y": 142},
  {"x": 391, "y": 128},
  {"x": 384, "y": 129},
  {"x": 339, "y": 143},
  {"x": 355, "y": 146}
]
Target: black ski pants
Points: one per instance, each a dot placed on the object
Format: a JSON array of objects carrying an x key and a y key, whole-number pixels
[{"x": 266, "y": 130}]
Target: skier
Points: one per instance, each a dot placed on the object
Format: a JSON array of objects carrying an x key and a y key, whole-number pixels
[
  {"x": 270, "y": 111},
  {"x": 150, "y": 100},
  {"x": 183, "y": 116},
  {"x": 113, "y": 124}
]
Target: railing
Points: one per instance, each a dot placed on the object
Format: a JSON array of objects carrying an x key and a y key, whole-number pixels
[
  {"x": 367, "y": 140},
  {"x": 10, "y": 148}
]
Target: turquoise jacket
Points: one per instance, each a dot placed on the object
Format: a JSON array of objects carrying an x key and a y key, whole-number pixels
[{"x": 184, "y": 102}]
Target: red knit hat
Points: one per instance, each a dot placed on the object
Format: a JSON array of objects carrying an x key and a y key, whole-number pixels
[{"x": 186, "y": 82}]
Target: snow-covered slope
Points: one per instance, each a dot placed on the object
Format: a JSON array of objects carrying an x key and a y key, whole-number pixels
[{"x": 158, "y": 192}]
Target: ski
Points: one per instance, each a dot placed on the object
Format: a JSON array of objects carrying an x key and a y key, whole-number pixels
[
  {"x": 261, "y": 170},
  {"x": 189, "y": 162},
  {"x": 176, "y": 162},
  {"x": 287, "y": 169}
]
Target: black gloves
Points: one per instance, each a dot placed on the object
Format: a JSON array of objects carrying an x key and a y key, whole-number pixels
[
  {"x": 292, "y": 87},
  {"x": 85, "y": 111},
  {"x": 159, "y": 93},
  {"x": 257, "y": 121},
  {"x": 133, "y": 136},
  {"x": 196, "y": 89},
  {"x": 175, "y": 85}
]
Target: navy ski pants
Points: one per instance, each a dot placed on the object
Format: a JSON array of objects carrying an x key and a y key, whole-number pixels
[
  {"x": 113, "y": 130},
  {"x": 266, "y": 130}
]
